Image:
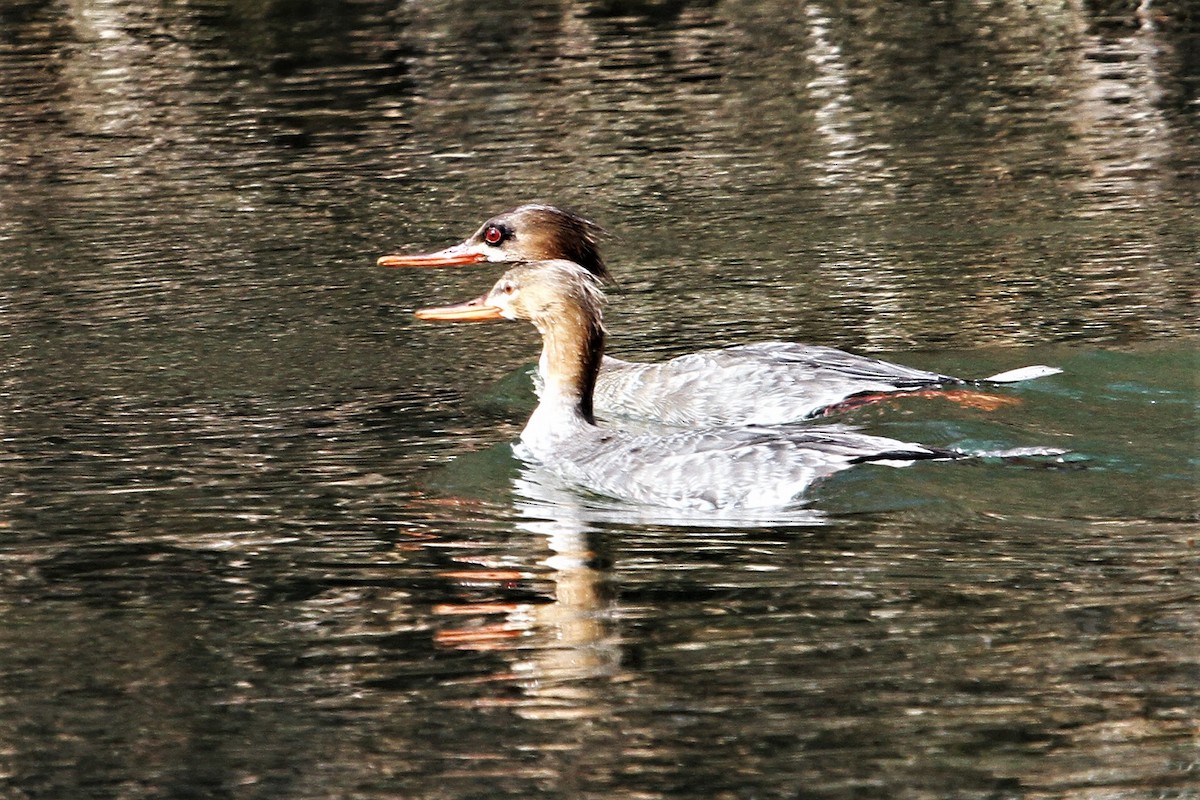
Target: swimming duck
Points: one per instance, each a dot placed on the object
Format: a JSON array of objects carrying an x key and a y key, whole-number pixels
[
  {"x": 766, "y": 383},
  {"x": 716, "y": 469}
]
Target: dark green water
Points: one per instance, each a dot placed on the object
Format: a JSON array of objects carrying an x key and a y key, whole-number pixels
[{"x": 260, "y": 534}]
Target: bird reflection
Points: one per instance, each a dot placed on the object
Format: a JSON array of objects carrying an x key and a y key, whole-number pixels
[{"x": 563, "y": 655}]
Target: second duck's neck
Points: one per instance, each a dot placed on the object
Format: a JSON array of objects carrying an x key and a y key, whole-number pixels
[{"x": 572, "y": 347}]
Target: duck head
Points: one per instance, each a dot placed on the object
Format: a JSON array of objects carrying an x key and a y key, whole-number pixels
[
  {"x": 564, "y": 302},
  {"x": 548, "y": 293},
  {"x": 531, "y": 232}
]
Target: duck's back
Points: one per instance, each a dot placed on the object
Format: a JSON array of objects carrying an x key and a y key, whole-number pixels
[{"x": 767, "y": 383}]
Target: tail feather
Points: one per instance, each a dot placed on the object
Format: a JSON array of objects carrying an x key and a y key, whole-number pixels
[
  {"x": 903, "y": 457},
  {"x": 1022, "y": 452},
  {"x": 1023, "y": 374}
]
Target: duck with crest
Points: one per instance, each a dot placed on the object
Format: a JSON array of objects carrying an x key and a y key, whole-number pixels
[
  {"x": 765, "y": 383},
  {"x": 754, "y": 467}
]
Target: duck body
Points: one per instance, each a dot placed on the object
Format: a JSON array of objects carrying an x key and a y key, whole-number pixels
[
  {"x": 766, "y": 383},
  {"x": 708, "y": 470},
  {"x": 704, "y": 469}
]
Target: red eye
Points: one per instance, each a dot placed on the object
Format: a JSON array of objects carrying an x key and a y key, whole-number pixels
[{"x": 493, "y": 235}]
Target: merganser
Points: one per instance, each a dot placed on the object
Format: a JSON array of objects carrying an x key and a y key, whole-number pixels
[
  {"x": 766, "y": 383},
  {"x": 716, "y": 469}
]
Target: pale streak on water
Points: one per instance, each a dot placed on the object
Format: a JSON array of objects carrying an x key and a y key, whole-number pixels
[{"x": 261, "y": 534}]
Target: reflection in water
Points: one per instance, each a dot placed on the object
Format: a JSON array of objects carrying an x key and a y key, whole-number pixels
[
  {"x": 261, "y": 534},
  {"x": 563, "y": 652},
  {"x": 1121, "y": 138}
]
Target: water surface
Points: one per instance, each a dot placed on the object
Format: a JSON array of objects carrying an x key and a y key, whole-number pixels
[{"x": 261, "y": 534}]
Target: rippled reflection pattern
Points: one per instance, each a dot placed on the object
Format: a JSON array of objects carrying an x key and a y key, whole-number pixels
[{"x": 262, "y": 533}]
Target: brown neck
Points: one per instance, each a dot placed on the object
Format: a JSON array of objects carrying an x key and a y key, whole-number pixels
[{"x": 571, "y": 352}]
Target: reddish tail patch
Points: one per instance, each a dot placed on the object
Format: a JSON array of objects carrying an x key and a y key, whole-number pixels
[
  {"x": 981, "y": 400},
  {"x": 968, "y": 398}
]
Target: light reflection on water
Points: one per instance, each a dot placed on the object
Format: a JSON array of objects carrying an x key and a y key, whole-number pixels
[{"x": 262, "y": 533}]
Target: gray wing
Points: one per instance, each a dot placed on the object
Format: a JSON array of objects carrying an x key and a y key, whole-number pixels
[{"x": 768, "y": 383}]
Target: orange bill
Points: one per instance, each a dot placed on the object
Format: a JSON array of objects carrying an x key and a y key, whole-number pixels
[
  {"x": 471, "y": 311},
  {"x": 455, "y": 256}
]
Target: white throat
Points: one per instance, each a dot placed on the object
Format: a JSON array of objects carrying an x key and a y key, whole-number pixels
[{"x": 557, "y": 415}]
